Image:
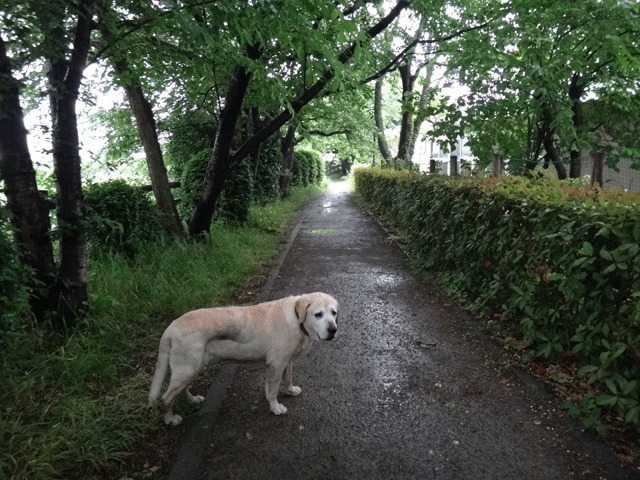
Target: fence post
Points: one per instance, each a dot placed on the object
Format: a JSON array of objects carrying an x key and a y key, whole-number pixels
[
  {"x": 596, "y": 173},
  {"x": 454, "y": 165},
  {"x": 498, "y": 166},
  {"x": 432, "y": 165}
]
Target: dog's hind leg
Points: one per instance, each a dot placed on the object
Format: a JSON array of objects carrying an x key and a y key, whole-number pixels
[{"x": 181, "y": 377}]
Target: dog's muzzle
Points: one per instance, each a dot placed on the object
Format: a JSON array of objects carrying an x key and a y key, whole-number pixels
[{"x": 331, "y": 333}]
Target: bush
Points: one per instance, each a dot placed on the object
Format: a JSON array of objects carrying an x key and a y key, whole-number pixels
[
  {"x": 189, "y": 138},
  {"x": 15, "y": 275},
  {"x": 308, "y": 168},
  {"x": 192, "y": 182},
  {"x": 266, "y": 186},
  {"x": 237, "y": 195},
  {"x": 120, "y": 218},
  {"x": 561, "y": 262}
]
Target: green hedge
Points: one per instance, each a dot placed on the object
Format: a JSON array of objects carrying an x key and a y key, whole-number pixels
[
  {"x": 120, "y": 218},
  {"x": 308, "y": 168},
  {"x": 266, "y": 186},
  {"x": 560, "y": 261}
]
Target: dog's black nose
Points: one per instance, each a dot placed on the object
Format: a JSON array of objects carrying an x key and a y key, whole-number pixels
[{"x": 332, "y": 332}]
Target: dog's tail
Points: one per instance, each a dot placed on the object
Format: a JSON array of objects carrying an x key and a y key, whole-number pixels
[{"x": 161, "y": 369}]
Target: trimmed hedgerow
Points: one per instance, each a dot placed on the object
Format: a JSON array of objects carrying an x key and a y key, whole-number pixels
[
  {"x": 308, "y": 168},
  {"x": 120, "y": 218},
  {"x": 237, "y": 195},
  {"x": 266, "y": 186},
  {"x": 236, "y": 198},
  {"x": 560, "y": 261}
]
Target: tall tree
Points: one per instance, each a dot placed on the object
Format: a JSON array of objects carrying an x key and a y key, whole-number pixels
[
  {"x": 59, "y": 38},
  {"x": 540, "y": 64},
  {"x": 118, "y": 47},
  {"x": 222, "y": 160},
  {"x": 383, "y": 146},
  {"x": 65, "y": 67},
  {"x": 30, "y": 211},
  {"x": 145, "y": 120}
]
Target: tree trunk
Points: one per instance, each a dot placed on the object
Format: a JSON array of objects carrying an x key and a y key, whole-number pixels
[
  {"x": 552, "y": 154},
  {"x": 149, "y": 136},
  {"x": 30, "y": 212},
  {"x": 64, "y": 83},
  {"x": 422, "y": 106},
  {"x": 383, "y": 146},
  {"x": 576, "y": 90},
  {"x": 402, "y": 159},
  {"x": 547, "y": 133},
  {"x": 596, "y": 173},
  {"x": 220, "y": 164},
  {"x": 288, "y": 143}
]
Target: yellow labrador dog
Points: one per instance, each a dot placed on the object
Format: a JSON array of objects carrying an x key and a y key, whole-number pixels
[{"x": 275, "y": 332}]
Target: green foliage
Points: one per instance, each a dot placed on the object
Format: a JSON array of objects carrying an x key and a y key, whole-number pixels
[
  {"x": 308, "y": 168},
  {"x": 238, "y": 194},
  {"x": 239, "y": 188},
  {"x": 120, "y": 218},
  {"x": 15, "y": 275},
  {"x": 236, "y": 198},
  {"x": 192, "y": 182},
  {"x": 189, "y": 138},
  {"x": 266, "y": 186},
  {"x": 562, "y": 68},
  {"x": 561, "y": 262}
]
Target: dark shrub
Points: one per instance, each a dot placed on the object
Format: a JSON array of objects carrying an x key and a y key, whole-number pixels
[{"x": 120, "y": 218}]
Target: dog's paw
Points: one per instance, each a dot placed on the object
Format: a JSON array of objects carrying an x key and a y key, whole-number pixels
[
  {"x": 170, "y": 419},
  {"x": 197, "y": 399},
  {"x": 294, "y": 391},
  {"x": 279, "y": 409}
]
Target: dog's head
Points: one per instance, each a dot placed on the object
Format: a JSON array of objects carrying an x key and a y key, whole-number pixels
[{"x": 318, "y": 315}]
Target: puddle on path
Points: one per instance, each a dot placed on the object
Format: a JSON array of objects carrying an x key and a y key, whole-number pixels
[{"x": 327, "y": 208}]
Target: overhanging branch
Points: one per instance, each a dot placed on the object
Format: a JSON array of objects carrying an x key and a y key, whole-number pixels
[{"x": 296, "y": 105}]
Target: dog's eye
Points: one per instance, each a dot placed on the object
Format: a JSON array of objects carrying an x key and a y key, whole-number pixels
[
  {"x": 334, "y": 313},
  {"x": 318, "y": 315}
]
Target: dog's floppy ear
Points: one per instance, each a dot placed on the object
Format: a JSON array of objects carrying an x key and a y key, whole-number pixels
[
  {"x": 301, "y": 307},
  {"x": 302, "y": 304}
]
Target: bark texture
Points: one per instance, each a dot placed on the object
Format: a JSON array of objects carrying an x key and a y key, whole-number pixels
[
  {"x": 383, "y": 146},
  {"x": 64, "y": 76},
  {"x": 146, "y": 123},
  {"x": 30, "y": 211}
]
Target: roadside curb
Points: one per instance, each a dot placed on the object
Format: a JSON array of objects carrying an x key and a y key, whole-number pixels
[{"x": 190, "y": 455}]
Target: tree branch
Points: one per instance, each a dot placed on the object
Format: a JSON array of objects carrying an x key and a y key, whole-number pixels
[
  {"x": 392, "y": 65},
  {"x": 320, "y": 133},
  {"x": 296, "y": 105}
]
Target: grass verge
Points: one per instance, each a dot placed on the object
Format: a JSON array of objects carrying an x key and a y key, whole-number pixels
[{"x": 75, "y": 407}]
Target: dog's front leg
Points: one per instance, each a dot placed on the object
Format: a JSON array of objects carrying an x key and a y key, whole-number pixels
[
  {"x": 287, "y": 379},
  {"x": 274, "y": 374}
]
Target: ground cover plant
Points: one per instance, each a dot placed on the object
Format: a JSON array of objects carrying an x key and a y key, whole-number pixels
[
  {"x": 75, "y": 407},
  {"x": 556, "y": 263}
]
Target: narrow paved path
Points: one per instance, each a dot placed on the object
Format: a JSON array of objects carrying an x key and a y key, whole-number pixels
[{"x": 409, "y": 390}]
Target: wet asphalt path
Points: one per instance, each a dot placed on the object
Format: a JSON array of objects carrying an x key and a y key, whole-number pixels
[{"x": 408, "y": 390}]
